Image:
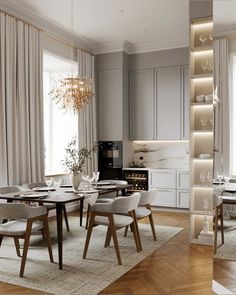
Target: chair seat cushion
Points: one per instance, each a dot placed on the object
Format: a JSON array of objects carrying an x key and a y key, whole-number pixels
[
  {"x": 18, "y": 227},
  {"x": 142, "y": 212},
  {"x": 120, "y": 220}
]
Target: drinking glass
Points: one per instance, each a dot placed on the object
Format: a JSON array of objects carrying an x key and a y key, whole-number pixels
[
  {"x": 49, "y": 181},
  {"x": 202, "y": 177},
  {"x": 204, "y": 66},
  {"x": 85, "y": 179},
  {"x": 203, "y": 39},
  {"x": 203, "y": 121}
]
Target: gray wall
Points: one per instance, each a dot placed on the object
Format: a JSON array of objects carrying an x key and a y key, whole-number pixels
[
  {"x": 200, "y": 8},
  {"x": 159, "y": 59}
]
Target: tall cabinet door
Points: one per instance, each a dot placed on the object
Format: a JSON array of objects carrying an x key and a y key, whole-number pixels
[
  {"x": 168, "y": 103},
  {"x": 142, "y": 105}
]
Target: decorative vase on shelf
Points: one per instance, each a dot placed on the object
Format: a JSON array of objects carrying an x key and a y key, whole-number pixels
[{"x": 76, "y": 179}]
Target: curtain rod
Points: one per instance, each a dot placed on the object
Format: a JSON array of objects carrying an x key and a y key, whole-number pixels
[
  {"x": 45, "y": 32},
  {"x": 19, "y": 19}
]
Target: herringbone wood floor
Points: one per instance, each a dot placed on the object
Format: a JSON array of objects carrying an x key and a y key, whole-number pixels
[{"x": 176, "y": 268}]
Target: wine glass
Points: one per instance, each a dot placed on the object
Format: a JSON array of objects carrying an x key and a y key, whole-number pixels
[
  {"x": 209, "y": 177},
  {"x": 204, "y": 65},
  {"x": 85, "y": 179},
  {"x": 203, "y": 39},
  {"x": 57, "y": 183},
  {"x": 226, "y": 179},
  {"x": 220, "y": 177},
  {"x": 96, "y": 177},
  {"x": 212, "y": 121},
  {"x": 210, "y": 37},
  {"x": 203, "y": 121},
  {"x": 49, "y": 181},
  {"x": 202, "y": 177},
  {"x": 205, "y": 204}
]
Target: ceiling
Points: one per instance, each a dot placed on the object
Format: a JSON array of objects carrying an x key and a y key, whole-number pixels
[
  {"x": 142, "y": 25},
  {"x": 224, "y": 16}
]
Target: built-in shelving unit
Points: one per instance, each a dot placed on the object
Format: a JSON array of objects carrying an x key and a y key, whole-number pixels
[{"x": 201, "y": 129}]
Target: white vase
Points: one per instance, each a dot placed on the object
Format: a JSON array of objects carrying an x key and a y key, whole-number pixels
[{"x": 76, "y": 179}]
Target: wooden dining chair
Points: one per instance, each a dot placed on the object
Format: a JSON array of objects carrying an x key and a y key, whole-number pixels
[
  {"x": 49, "y": 207},
  {"x": 218, "y": 214},
  {"x": 110, "y": 215},
  {"x": 25, "y": 219}
]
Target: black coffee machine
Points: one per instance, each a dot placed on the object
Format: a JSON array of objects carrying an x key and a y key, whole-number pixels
[{"x": 110, "y": 159}]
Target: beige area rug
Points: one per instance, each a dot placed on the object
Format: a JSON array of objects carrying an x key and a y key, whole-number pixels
[
  {"x": 227, "y": 251},
  {"x": 79, "y": 276}
]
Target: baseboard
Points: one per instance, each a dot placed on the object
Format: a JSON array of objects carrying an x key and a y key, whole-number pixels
[{"x": 168, "y": 209}]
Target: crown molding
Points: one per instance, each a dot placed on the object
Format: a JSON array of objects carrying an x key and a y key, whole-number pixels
[
  {"x": 18, "y": 10},
  {"x": 224, "y": 30},
  {"x": 133, "y": 48}
]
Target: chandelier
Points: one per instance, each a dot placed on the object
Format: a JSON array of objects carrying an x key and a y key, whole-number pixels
[{"x": 72, "y": 93}]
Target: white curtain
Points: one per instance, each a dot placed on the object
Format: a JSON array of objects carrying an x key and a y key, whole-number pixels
[
  {"x": 21, "y": 102},
  {"x": 222, "y": 109},
  {"x": 87, "y": 117}
]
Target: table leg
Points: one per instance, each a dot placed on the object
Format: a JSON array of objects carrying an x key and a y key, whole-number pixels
[
  {"x": 59, "y": 233},
  {"x": 81, "y": 210}
]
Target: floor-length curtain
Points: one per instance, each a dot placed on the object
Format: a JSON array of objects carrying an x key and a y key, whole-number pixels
[
  {"x": 87, "y": 117},
  {"x": 21, "y": 102},
  {"x": 222, "y": 108}
]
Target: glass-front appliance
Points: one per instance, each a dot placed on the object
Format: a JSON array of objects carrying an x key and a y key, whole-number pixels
[{"x": 137, "y": 178}]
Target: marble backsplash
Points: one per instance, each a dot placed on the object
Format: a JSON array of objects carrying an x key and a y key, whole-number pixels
[{"x": 168, "y": 154}]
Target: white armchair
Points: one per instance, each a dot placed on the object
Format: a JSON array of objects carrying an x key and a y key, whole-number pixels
[
  {"x": 108, "y": 214},
  {"x": 25, "y": 219}
]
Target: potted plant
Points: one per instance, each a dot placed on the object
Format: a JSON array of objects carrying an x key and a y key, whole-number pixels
[{"x": 75, "y": 159}]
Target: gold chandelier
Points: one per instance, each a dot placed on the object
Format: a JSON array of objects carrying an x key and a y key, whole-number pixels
[{"x": 72, "y": 93}]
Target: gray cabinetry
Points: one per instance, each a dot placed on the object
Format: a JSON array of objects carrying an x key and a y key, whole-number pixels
[
  {"x": 159, "y": 107},
  {"x": 110, "y": 104},
  {"x": 142, "y": 105},
  {"x": 168, "y": 107}
]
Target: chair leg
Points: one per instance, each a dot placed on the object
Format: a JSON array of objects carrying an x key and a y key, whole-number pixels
[
  {"x": 126, "y": 231},
  {"x": 108, "y": 237},
  {"x": 1, "y": 238},
  {"x": 26, "y": 246},
  {"x": 17, "y": 245},
  {"x": 152, "y": 227},
  {"x": 216, "y": 229},
  {"x": 137, "y": 230},
  {"x": 222, "y": 223},
  {"x": 66, "y": 218},
  {"x": 89, "y": 233},
  {"x": 47, "y": 237},
  {"x": 87, "y": 217},
  {"x": 114, "y": 236}
]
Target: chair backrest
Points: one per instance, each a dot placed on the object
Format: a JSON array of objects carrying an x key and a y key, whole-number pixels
[
  {"x": 34, "y": 184},
  {"x": 217, "y": 200},
  {"x": 10, "y": 189},
  {"x": 123, "y": 205},
  {"x": 20, "y": 211},
  {"x": 147, "y": 197}
]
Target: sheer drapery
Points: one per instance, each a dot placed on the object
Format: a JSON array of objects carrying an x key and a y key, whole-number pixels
[
  {"x": 87, "y": 117},
  {"x": 21, "y": 102},
  {"x": 222, "y": 108}
]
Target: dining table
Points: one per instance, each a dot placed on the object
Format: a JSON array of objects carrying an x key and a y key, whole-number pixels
[{"x": 60, "y": 197}]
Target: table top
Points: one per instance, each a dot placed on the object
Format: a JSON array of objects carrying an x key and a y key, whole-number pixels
[{"x": 59, "y": 196}]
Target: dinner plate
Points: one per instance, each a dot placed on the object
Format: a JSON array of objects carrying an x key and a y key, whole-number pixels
[
  {"x": 104, "y": 183},
  {"x": 108, "y": 186},
  {"x": 44, "y": 189},
  {"x": 91, "y": 191},
  {"x": 66, "y": 185},
  {"x": 34, "y": 196}
]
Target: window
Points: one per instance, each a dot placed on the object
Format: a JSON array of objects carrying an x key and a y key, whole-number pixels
[{"x": 59, "y": 126}]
